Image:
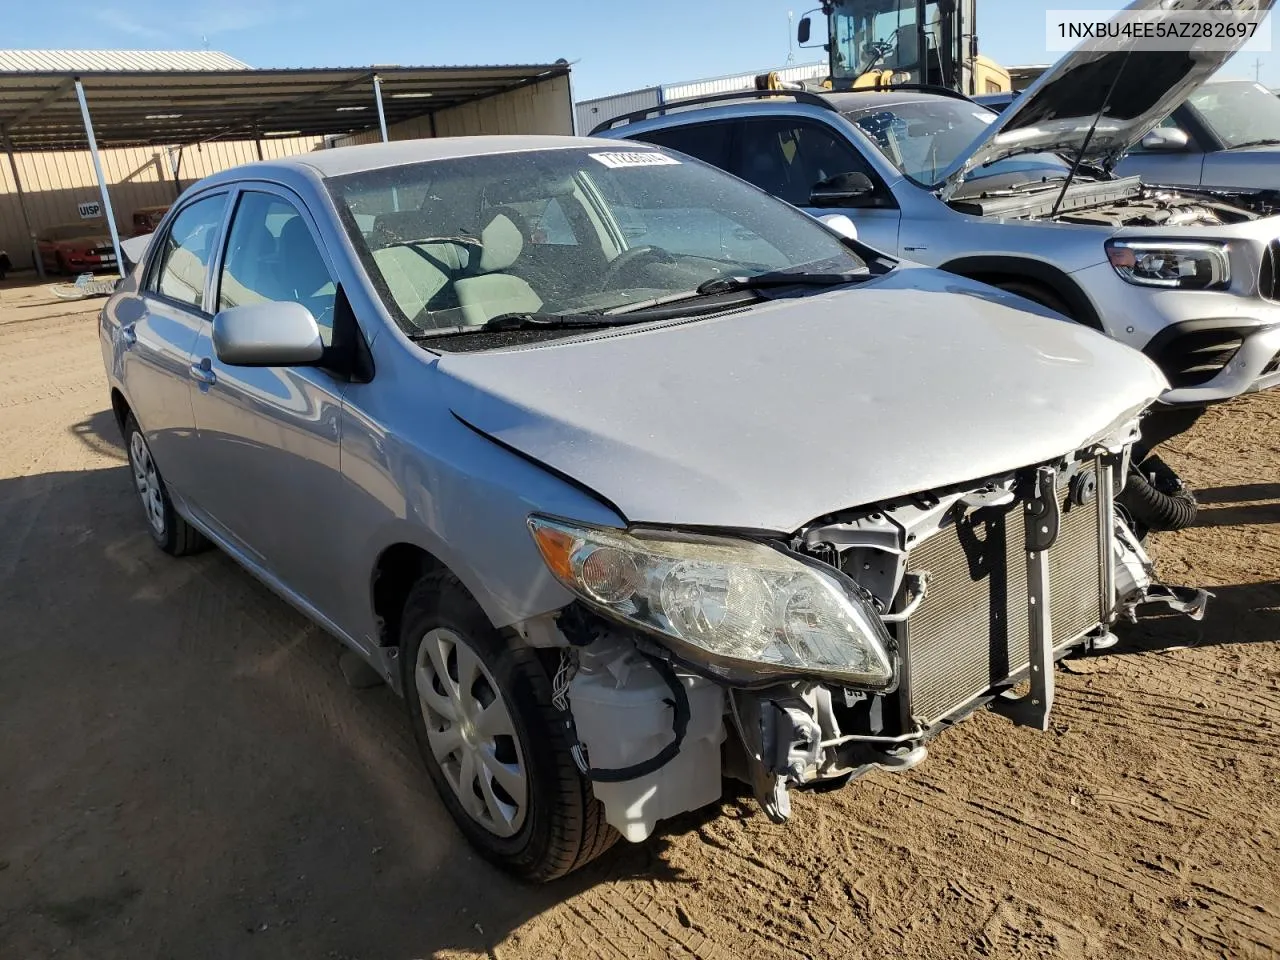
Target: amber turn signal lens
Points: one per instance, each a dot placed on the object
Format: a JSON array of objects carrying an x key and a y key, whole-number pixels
[{"x": 556, "y": 547}]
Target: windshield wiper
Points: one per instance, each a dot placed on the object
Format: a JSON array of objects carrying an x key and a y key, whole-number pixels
[
  {"x": 543, "y": 321},
  {"x": 1266, "y": 142},
  {"x": 765, "y": 281}
]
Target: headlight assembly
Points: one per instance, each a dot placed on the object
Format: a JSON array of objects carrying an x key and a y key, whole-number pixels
[
  {"x": 734, "y": 604},
  {"x": 1186, "y": 265}
]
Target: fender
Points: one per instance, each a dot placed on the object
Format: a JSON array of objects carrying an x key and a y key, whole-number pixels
[{"x": 993, "y": 269}]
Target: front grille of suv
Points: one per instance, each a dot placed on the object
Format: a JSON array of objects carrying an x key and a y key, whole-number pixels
[{"x": 1197, "y": 357}]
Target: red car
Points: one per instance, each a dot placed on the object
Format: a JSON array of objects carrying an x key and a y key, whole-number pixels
[
  {"x": 76, "y": 247},
  {"x": 146, "y": 219}
]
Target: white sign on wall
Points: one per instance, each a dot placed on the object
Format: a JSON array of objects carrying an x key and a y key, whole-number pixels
[{"x": 90, "y": 210}]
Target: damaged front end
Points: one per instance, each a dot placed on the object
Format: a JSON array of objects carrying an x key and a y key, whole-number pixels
[{"x": 839, "y": 650}]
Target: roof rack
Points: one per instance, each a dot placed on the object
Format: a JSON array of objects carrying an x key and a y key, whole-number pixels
[{"x": 800, "y": 96}]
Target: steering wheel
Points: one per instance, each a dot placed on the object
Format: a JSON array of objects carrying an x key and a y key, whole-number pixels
[{"x": 629, "y": 259}]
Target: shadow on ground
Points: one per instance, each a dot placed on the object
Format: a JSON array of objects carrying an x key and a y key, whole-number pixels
[
  {"x": 184, "y": 773},
  {"x": 1244, "y": 613}
]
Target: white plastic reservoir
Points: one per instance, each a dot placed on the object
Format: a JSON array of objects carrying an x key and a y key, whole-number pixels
[{"x": 622, "y": 719}]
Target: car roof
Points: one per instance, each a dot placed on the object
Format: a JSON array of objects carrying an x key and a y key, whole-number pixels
[
  {"x": 857, "y": 100},
  {"x": 340, "y": 161}
]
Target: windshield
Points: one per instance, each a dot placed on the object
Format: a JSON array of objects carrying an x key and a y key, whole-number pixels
[
  {"x": 455, "y": 243},
  {"x": 924, "y": 137},
  {"x": 1238, "y": 113},
  {"x": 882, "y": 35}
]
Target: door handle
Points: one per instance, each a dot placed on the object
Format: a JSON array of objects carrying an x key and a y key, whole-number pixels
[
  {"x": 128, "y": 336},
  {"x": 203, "y": 371}
]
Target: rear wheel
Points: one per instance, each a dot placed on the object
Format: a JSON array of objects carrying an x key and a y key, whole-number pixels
[
  {"x": 494, "y": 745},
  {"x": 171, "y": 533}
]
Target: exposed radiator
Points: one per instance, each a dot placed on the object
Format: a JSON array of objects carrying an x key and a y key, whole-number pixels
[{"x": 972, "y": 631}]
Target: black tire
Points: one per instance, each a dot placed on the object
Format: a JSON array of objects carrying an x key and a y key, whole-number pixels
[
  {"x": 1157, "y": 499},
  {"x": 61, "y": 264},
  {"x": 1037, "y": 293},
  {"x": 563, "y": 825},
  {"x": 171, "y": 533}
]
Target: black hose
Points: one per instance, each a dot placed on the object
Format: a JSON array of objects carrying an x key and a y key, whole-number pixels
[
  {"x": 1156, "y": 498},
  {"x": 679, "y": 726}
]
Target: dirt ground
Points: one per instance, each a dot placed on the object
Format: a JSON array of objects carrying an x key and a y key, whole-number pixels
[{"x": 184, "y": 773}]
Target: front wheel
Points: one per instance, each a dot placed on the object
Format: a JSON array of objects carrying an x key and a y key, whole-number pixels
[
  {"x": 495, "y": 747},
  {"x": 171, "y": 533}
]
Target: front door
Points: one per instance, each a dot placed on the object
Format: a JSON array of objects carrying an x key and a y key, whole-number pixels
[
  {"x": 157, "y": 331},
  {"x": 269, "y": 436}
]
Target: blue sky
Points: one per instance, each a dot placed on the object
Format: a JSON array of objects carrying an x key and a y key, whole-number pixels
[{"x": 615, "y": 46}]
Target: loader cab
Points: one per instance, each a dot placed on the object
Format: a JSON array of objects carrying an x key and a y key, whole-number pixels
[{"x": 877, "y": 43}]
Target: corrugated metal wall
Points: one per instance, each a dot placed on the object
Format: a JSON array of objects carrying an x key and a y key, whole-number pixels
[
  {"x": 742, "y": 81},
  {"x": 537, "y": 108},
  {"x": 594, "y": 112},
  {"x": 55, "y": 182}
]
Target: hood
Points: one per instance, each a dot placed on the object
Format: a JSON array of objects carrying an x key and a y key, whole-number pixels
[
  {"x": 1138, "y": 88},
  {"x": 768, "y": 417}
]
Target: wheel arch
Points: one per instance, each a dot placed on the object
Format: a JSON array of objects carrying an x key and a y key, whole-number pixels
[
  {"x": 397, "y": 568},
  {"x": 120, "y": 408},
  {"x": 994, "y": 270}
]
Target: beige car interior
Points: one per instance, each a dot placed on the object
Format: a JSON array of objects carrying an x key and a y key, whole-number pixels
[{"x": 464, "y": 279}]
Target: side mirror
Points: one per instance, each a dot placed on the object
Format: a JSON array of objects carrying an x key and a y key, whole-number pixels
[
  {"x": 267, "y": 335},
  {"x": 842, "y": 190},
  {"x": 133, "y": 250},
  {"x": 803, "y": 31},
  {"x": 839, "y": 223},
  {"x": 1166, "y": 140}
]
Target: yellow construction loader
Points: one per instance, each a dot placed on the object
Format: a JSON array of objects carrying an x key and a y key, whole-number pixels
[{"x": 874, "y": 44}]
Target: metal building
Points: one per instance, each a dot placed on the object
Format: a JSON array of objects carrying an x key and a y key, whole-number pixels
[
  {"x": 166, "y": 119},
  {"x": 592, "y": 113}
]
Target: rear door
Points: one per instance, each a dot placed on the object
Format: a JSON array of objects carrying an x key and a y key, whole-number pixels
[
  {"x": 156, "y": 331},
  {"x": 269, "y": 436}
]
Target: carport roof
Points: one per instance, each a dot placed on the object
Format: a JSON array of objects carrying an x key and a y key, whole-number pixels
[{"x": 39, "y": 109}]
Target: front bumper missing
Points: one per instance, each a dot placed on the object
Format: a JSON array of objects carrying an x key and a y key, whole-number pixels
[{"x": 794, "y": 738}]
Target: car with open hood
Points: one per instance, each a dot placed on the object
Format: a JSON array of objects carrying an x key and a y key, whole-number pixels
[
  {"x": 1029, "y": 200},
  {"x": 626, "y": 475},
  {"x": 1224, "y": 138}
]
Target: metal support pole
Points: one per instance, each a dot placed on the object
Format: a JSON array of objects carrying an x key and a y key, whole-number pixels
[
  {"x": 377, "y": 97},
  {"x": 22, "y": 203},
  {"x": 102, "y": 180},
  {"x": 175, "y": 167},
  {"x": 258, "y": 143}
]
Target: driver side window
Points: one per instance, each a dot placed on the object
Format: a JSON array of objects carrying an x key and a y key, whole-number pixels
[
  {"x": 272, "y": 257},
  {"x": 786, "y": 157}
]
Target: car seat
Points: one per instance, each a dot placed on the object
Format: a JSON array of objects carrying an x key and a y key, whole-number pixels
[
  {"x": 302, "y": 275},
  {"x": 490, "y": 291},
  {"x": 420, "y": 276}
]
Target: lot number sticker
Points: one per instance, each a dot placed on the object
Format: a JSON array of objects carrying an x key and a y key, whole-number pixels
[
  {"x": 88, "y": 211},
  {"x": 616, "y": 160}
]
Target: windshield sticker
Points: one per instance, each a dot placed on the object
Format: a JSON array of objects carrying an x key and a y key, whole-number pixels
[{"x": 647, "y": 159}]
